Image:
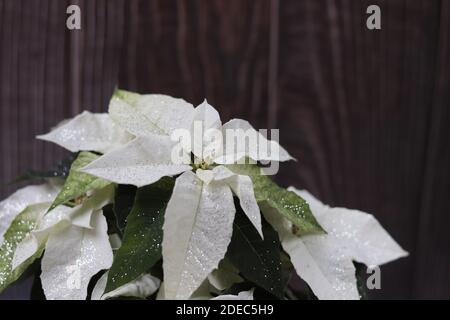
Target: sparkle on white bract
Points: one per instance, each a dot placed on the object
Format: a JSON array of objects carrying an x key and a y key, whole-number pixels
[
  {"x": 197, "y": 230},
  {"x": 18, "y": 201},
  {"x": 72, "y": 257},
  {"x": 141, "y": 162},
  {"x": 135, "y": 137},
  {"x": 242, "y": 140},
  {"x": 88, "y": 132},
  {"x": 325, "y": 261}
]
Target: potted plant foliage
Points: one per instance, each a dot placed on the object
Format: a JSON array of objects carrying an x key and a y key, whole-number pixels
[{"x": 158, "y": 201}]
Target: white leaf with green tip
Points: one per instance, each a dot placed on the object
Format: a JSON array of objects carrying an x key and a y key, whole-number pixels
[
  {"x": 58, "y": 219},
  {"x": 141, "y": 162},
  {"x": 19, "y": 200},
  {"x": 197, "y": 230},
  {"x": 359, "y": 234},
  {"x": 142, "y": 287},
  {"x": 72, "y": 257},
  {"x": 325, "y": 261},
  {"x": 88, "y": 132},
  {"x": 127, "y": 96},
  {"x": 150, "y": 113},
  {"x": 53, "y": 221},
  {"x": 285, "y": 202},
  {"x": 18, "y": 230}
]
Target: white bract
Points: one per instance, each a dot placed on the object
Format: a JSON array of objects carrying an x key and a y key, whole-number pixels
[
  {"x": 203, "y": 292},
  {"x": 142, "y": 287},
  {"x": 76, "y": 247},
  {"x": 243, "y": 295},
  {"x": 72, "y": 256},
  {"x": 88, "y": 132},
  {"x": 325, "y": 261}
]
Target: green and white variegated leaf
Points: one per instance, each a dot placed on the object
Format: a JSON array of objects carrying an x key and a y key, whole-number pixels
[
  {"x": 287, "y": 203},
  {"x": 72, "y": 257},
  {"x": 88, "y": 132},
  {"x": 59, "y": 219},
  {"x": 141, "y": 162},
  {"x": 242, "y": 187},
  {"x": 242, "y": 140},
  {"x": 18, "y": 201},
  {"x": 127, "y": 96},
  {"x": 34, "y": 242},
  {"x": 150, "y": 114},
  {"x": 21, "y": 226},
  {"x": 325, "y": 261},
  {"x": 330, "y": 276},
  {"x": 79, "y": 183},
  {"x": 142, "y": 287},
  {"x": 224, "y": 276},
  {"x": 243, "y": 295},
  {"x": 197, "y": 230}
]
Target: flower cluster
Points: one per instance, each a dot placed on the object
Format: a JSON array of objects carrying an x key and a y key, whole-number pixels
[{"x": 162, "y": 201}]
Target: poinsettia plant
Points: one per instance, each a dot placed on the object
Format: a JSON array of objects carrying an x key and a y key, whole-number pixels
[{"x": 159, "y": 201}]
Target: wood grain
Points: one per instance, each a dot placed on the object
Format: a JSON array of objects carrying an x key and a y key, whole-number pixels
[{"x": 365, "y": 112}]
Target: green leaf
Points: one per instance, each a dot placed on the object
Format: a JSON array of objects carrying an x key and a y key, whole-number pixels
[
  {"x": 287, "y": 203},
  {"x": 141, "y": 243},
  {"x": 22, "y": 225},
  {"x": 123, "y": 203},
  {"x": 127, "y": 96},
  {"x": 257, "y": 260},
  {"x": 361, "y": 278},
  {"x": 78, "y": 183}
]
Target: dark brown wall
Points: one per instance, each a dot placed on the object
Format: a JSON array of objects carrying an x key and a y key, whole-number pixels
[{"x": 365, "y": 112}]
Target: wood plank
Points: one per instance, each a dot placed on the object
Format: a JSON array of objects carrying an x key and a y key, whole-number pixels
[
  {"x": 192, "y": 50},
  {"x": 432, "y": 261},
  {"x": 354, "y": 109}
]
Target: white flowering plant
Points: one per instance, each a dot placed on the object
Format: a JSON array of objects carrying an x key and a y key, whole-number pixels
[{"x": 160, "y": 200}]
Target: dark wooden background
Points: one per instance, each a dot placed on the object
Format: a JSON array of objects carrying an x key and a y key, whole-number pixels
[{"x": 365, "y": 112}]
